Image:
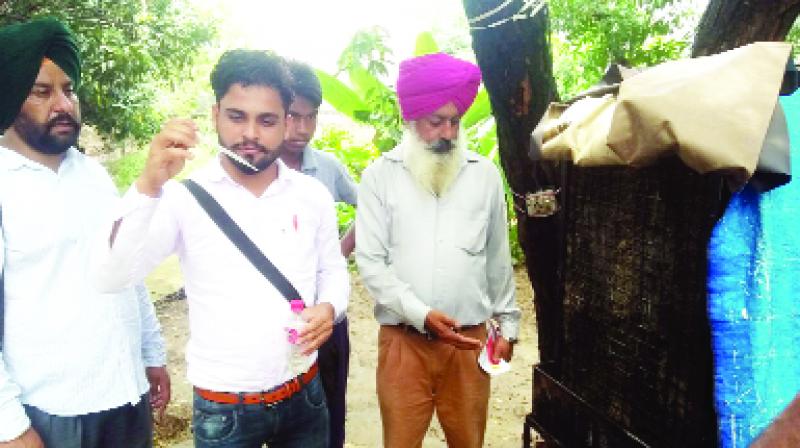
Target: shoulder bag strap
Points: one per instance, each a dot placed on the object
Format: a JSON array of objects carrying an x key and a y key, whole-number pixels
[{"x": 241, "y": 240}]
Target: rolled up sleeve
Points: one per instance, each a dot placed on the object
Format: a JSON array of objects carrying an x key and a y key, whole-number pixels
[
  {"x": 500, "y": 272},
  {"x": 153, "y": 350}
]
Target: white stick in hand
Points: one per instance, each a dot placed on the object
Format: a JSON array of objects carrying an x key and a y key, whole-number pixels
[{"x": 237, "y": 158}]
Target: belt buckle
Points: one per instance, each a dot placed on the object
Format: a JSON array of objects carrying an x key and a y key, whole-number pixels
[
  {"x": 261, "y": 398},
  {"x": 412, "y": 329},
  {"x": 266, "y": 403}
]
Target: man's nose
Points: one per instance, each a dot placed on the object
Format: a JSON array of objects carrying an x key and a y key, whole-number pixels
[
  {"x": 250, "y": 130},
  {"x": 449, "y": 130},
  {"x": 64, "y": 102},
  {"x": 302, "y": 126}
]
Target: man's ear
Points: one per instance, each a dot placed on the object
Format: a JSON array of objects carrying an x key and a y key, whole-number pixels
[
  {"x": 286, "y": 126},
  {"x": 214, "y": 112}
]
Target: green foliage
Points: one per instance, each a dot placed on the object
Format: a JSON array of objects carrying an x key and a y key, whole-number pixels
[
  {"x": 365, "y": 60},
  {"x": 367, "y": 49},
  {"x": 132, "y": 50},
  {"x": 345, "y": 215},
  {"x": 343, "y": 98},
  {"x": 425, "y": 45},
  {"x": 480, "y": 110},
  {"x": 127, "y": 168},
  {"x": 517, "y": 254},
  {"x": 355, "y": 158},
  {"x": 794, "y": 38},
  {"x": 589, "y": 35}
]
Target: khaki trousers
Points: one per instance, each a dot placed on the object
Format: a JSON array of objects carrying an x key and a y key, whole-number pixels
[{"x": 417, "y": 375}]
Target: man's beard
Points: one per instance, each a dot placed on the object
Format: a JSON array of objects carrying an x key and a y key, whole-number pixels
[
  {"x": 434, "y": 166},
  {"x": 269, "y": 156},
  {"x": 39, "y": 136}
]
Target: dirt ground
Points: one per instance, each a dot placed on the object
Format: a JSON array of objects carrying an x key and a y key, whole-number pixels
[{"x": 511, "y": 392}]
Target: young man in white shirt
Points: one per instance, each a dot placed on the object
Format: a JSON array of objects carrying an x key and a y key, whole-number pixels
[
  {"x": 75, "y": 363},
  {"x": 237, "y": 355},
  {"x": 301, "y": 124}
]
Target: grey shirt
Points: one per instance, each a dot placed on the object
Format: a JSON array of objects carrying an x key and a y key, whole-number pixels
[
  {"x": 417, "y": 252},
  {"x": 331, "y": 172}
]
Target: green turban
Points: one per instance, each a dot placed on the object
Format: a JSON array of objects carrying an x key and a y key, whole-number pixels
[{"x": 23, "y": 46}]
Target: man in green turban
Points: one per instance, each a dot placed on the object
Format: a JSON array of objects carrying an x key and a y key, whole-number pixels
[{"x": 76, "y": 366}]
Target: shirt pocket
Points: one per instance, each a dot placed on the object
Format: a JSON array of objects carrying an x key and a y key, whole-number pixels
[
  {"x": 31, "y": 231},
  {"x": 470, "y": 231}
]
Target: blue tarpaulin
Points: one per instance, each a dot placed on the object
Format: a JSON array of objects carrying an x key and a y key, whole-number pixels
[{"x": 754, "y": 302}]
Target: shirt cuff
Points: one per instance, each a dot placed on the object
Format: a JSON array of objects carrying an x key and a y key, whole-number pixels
[
  {"x": 416, "y": 312},
  {"x": 158, "y": 359},
  {"x": 339, "y": 317},
  {"x": 133, "y": 200},
  {"x": 509, "y": 329},
  {"x": 15, "y": 421}
]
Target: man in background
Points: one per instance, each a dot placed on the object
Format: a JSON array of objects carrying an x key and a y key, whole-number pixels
[
  {"x": 75, "y": 363},
  {"x": 301, "y": 124},
  {"x": 432, "y": 249}
]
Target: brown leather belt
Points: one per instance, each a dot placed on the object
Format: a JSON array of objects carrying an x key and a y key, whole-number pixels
[
  {"x": 430, "y": 336},
  {"x": 273, "y": 396}
]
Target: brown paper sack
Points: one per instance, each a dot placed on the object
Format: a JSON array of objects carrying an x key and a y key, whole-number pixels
[
  {"x": 577, "y": 132},
  {"x": 714, "y": 111}
]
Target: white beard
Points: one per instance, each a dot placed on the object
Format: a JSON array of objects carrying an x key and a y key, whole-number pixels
[{"x": 434, "y": 172}]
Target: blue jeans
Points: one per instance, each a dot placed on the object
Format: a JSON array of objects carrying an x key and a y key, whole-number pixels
[
  {"x": 126, "y": 426},
  {"x": 301, "y": 421}
]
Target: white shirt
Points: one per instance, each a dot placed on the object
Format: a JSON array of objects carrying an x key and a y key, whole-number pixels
[
  {"x": 417, "y": 252},
  {"x": 237, "y": 318},
  {"x": 68, "y": 349}
]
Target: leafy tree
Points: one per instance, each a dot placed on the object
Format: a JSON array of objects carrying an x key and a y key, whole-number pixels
[
  {"x": 365, "y": 60},
  {"x": 132, "y": 50},
  {"x": 588, "y": 36}
]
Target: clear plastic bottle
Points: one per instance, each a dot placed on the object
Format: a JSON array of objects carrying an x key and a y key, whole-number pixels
[{"x": 298, "y": 363}]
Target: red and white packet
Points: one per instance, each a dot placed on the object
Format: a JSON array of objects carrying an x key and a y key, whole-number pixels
[{"x": 485, "y": 359}]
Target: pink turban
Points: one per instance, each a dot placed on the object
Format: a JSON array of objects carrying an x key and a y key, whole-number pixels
[{"x": 429, "y": 82}]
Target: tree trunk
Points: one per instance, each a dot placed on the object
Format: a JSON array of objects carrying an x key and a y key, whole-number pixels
[
  {"x": 728, "y": 24},
  {"x": 516, "y": 63}
]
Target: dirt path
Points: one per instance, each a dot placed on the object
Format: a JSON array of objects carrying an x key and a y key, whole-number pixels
[{"x": 511, "y": 393}]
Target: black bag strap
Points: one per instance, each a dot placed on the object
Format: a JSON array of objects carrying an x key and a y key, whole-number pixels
[{"x": 241, "y": 240}]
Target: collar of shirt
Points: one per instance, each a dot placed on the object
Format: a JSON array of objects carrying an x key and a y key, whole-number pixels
[
  {"x": 309, "y": 164},
  {"x": 15, "y": 161}
]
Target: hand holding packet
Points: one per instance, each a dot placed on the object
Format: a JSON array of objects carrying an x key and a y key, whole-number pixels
[{"x": 485, "y": 359}]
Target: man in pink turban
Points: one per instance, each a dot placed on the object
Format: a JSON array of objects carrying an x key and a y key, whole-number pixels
[{"x": 432, "y": 249}]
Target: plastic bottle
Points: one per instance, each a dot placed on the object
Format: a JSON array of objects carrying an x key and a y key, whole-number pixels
[{"x": 298, "y": 363}]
